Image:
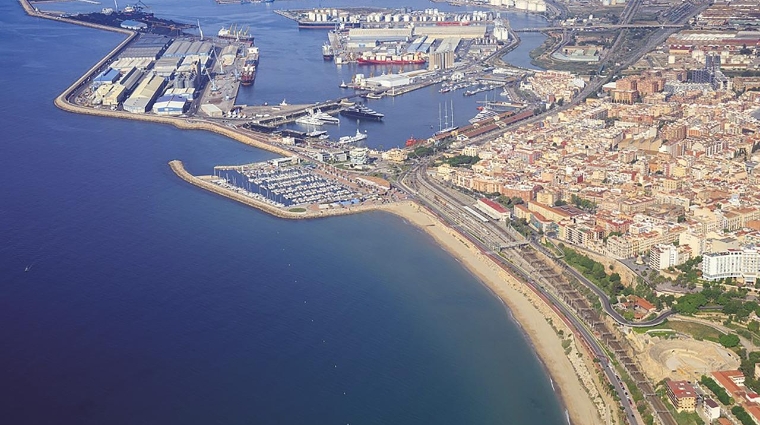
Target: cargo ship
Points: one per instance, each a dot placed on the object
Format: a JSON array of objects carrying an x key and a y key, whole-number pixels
[
  {"x": 327, "y": 52},
  {"x": 249, "y": 67},
  {"x": 360, "y": 111},
  {"x": 391, "y": 60},
  {"x": 233, "y": 33},
  {"x": 328, "y": 25}
]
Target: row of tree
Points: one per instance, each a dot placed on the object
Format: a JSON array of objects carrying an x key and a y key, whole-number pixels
[{"x": 719, "y": 392}]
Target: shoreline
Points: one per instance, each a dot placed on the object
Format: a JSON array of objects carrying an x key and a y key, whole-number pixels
[{"x": 525, "y": 308}]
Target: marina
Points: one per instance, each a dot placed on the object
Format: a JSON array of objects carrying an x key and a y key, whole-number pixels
[{"x": 286, "y": 183}]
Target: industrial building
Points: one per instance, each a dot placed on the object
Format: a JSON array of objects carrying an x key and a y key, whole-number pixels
[
  {"x": 183, "y": 49},
  {"x": 468, "y": 32},
  {"x": 165, "y": 67},
  {"x": 145, "y": 93},
  {"x": 109, "y": 76},
  {"x": 380, "y": 34},
  {"x": 441, "y": 60},
  {"x": 170, "y": 105},
  {"x": 134, "y": 25},
  {"x": 229, "y": 54},
  {"x": 388, "y": 80},
  {"x": 146, "y": 46},
  {"x": 125, "y": 64},
  {"x": 131, "y": 79}
]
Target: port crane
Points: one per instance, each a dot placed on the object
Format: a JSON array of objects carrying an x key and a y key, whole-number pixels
[{"x": 214, "y": 88}]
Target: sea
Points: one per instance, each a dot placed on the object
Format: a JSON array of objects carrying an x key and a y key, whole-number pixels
[{"x": 130, "y": 297}]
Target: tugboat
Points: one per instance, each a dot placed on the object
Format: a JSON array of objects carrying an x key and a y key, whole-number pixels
[
  {"x": 327, "y": 52},
  {"x": 412, "y": 141}
]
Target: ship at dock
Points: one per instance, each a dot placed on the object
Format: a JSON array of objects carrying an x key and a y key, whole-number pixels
[
  {"x": 249, "y": 66},
  {"x": 326, "y": 25},
  {"x": 406, "y": 59},
  {"x": 235, "y": 33},
  {"x": 362, "y": 112},
  {"x": 327, "y": 52}
]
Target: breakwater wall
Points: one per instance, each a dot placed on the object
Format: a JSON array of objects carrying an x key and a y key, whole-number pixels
[
  {"x": 32, "y": 11},
  {"x": 179, "y": 169}
]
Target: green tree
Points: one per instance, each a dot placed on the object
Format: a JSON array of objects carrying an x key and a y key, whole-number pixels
[{"x": 729, "y": 341}]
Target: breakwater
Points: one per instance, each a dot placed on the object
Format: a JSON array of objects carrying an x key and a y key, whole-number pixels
[{"x": 179, "y": 169}]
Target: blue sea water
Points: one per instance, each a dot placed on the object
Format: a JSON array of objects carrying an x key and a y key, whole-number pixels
[{"x": 150, "y": 301}]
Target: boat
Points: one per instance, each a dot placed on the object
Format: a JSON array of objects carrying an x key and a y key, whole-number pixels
[
  {"x": 329, "y": 24},
  {"x": 249, "y": 66},
  {"x": 391, "y": 60},
  {"x": 362, "y": 112},
  {"x": 316, "y": 133},
  {"x": 233, "y": 33},
  {"x": 327, "y": 52},
  {"x": 324, "y": 116},
  {"x": 347, "y": 140},
  {"x": 447, "y": 128},
  {"x": 343, "y": 85},
  {"x": 309, "y": 119},
  {"x": 27, "y": 269},
  {"x": 412, "y": 141},
  {"x": 375, "y": 96},
  {"x": 484, "y": 114}
]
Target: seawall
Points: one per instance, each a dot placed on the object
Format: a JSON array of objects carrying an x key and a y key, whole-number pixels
[{"x": 179, "y": 169}]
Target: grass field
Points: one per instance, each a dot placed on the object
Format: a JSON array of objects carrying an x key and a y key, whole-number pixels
[{"x": 696, "y": 330}]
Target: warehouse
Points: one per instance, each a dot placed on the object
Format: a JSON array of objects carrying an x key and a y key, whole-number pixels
[
  {"x": 131, "y": 79},
  {"x": 165, "y": 67},
  {"x": 125, "y": 64},
  {"x": 147, "y": 46},
  {"x": 145, "y": 93},
  {"x": 170, "y": 105},
  {"x": 229, "y": 53},
  {"x": 134, "y": 25},
  {"x": 440, "y": 32},
  {"x": 379, "y": 35},
  {"x": 109, "y": 76},
  {"x": 389, "y": 80},
  {"x": 183, "y": 49}
]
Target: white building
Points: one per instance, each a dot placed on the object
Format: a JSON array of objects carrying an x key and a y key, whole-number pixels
[
  {"x": 359, "y": 156},
  {"x": 739, "y": 263},
  {"x": 663, "y": 256},
  {"x": 711, "y": 409}
]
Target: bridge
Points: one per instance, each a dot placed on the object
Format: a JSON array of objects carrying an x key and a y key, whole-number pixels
[{"x": 597, "y": 27}]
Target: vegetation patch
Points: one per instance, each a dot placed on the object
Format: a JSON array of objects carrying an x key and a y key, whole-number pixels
[
  {"x": 297, "y": 210},
  {"x": 698, "y": 331}
]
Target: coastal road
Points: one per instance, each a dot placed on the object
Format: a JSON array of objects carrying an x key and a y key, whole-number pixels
[{"x": 445, "y": 207}]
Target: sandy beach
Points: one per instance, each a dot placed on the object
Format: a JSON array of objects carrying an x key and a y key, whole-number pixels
[{"x": 527, "y": 312}]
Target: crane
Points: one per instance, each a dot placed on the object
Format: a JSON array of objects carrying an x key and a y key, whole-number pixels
[{"x": 213, "y": 81}]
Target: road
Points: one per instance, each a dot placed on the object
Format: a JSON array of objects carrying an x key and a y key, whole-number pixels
[{"x": 487, "y": 236}]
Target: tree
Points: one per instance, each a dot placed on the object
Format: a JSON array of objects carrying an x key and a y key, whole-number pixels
[
  {"x": 729, "y": 341},
  {"x": 753, "y": 326},
  {"x": 689, "y": 304}
]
